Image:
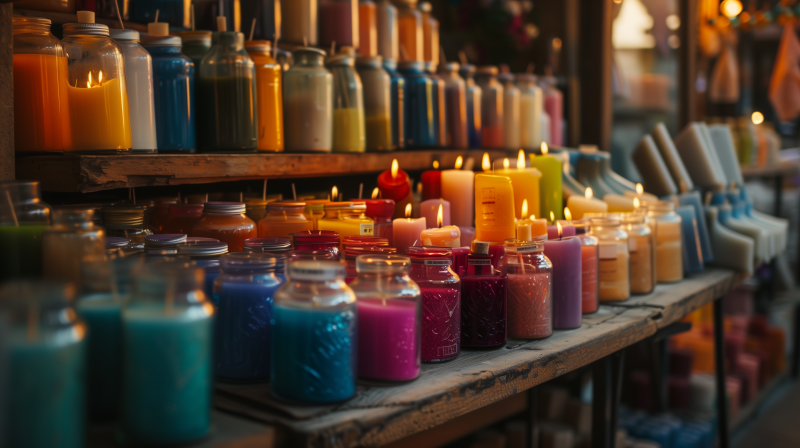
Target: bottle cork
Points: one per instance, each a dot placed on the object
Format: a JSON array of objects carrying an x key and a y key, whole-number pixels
[
  {"x": 222, "y": 24},
  {"x": 158, "y": 29},
  {"x": 480, "y": 247},
  {"x": 86, "y": 16}
]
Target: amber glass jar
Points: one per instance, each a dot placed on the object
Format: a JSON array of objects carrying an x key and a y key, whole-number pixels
[
  {"x": 283, "y": 219},
  {"x": 226, "y": 222}
]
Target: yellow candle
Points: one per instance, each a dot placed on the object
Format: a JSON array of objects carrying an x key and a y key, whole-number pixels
[
  {"x": 538, "y": 227},
  {"x": 618, "y": 203},
  {"x": 494, "y": 208},
  {"x": 579, "y": 206},
  {"x": 347, "y": 218},
  {"x": 99, "y": 115},
  {"x": 447, "y": 236}
]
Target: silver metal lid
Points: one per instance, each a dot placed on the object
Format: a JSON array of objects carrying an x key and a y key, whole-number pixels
[
  {"x": 227, "y": 208},
  {"x": 164, "y": 240},
  {"x": 93, "y": 29},
  {"x": 158, "y": 41},
  {"x": 202, "y": 248},
  {"x": 117, "y": 34}
]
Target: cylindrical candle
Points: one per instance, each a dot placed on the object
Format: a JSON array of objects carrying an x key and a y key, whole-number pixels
[
  {"x": 458, "y": 189},
  {"x": 590, "y": 265},
  {"x": 525, "y": 182},
  {"x": 447, "y": 236},
  {"x": 494, "y": 203},
  {"x": 566, "y": 254},
  {"x": 669, "y": 257},
  {"x": 432, "y": 187},
  {"x": 549, "y": 185},
  {"x": 615, "y": 282},
  {"x": 395, "y": 184},
  {"x": 406, "y": 232}
]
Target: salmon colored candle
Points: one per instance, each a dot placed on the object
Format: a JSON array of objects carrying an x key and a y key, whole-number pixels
[
  {"x": 590, "y": 266},
  {"x": 41, "y": 106}
]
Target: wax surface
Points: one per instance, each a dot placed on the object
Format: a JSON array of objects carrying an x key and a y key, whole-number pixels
[
  {"x": 494, "y": 208},
  {"x": 441, "y": 323},
  {"x": 530, "y": 305},
  {"x": 314, "y": 354},
  {"x": 525, "y": 183},
  {"x": 589, "y": 275},
  {"x": 104, "y": 123},
  {"x": 22, "y": 251},
  {"x": 615, "y": 277},
  {"x": 458, "y": 189},
  {"x": 389, "y": 339},
  {"x": 484, "y": 309},
  {"x": 550, "y": 194},
  {"x": 41, "y": 104},
  {"x": 103, "y": 316}
]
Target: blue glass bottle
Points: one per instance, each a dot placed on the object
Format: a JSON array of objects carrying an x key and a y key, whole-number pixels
[
  {"x": 397, "y": 104},
  {"x": 173, "y": 92},
  {"x": 439, "y": 106},
  {"x": 467, "y": 72},
  {"x": 244, "y": 292},
  {"x": 419, "y": 123}
]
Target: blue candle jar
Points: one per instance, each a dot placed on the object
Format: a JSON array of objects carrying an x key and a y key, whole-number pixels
[
  {"x": 467, "y": 71},
  {"x": 42, "y": 350},
  {"x": 419, "y": 123},
  {"x": 277, "y": 247},
  {"x": 205, "y": 254},
  {"x": 243, "y": 295},
  {"x": 397, "y": 104},
  {"x": 173, "y": 94},
  {"x": 314, "y": 341},
  {"x": 167, "y": 369}
]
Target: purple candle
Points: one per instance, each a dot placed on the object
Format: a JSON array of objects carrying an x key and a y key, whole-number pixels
[
  {"x": 565, "y": 253},
  {"x": 566, "y": 231},
  {"x": 387, "y": 339}
]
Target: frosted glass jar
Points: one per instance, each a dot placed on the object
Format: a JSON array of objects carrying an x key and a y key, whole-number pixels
[
  {"x": 308, "y": 103},
  {"x": 348, "y": 105},
  {"x": 139, "y": 83},
  {"x": 669, "y": 245},
  {"x": 72, "y": 237},
  {"x": 614, "y": 273},
  {"x": 641, "y": 245},
  {"x": 377, "y": 103}
]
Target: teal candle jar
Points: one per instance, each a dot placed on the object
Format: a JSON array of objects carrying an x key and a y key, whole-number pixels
[
  {"x": 43, "y": 350},
  {"x": 167, "y": 368},
  {"x": 23, "y": 218},
  {"x": 314, "y": 344}
]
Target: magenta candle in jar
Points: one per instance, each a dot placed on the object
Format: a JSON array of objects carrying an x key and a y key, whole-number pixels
[
  {"x": 317, "y": 240},
  {"x": 351, "y": 253}
]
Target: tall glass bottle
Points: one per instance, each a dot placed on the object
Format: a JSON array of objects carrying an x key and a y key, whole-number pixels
[
  {"x": 299, "y": 22},
  {"x": 348, "y": 105},
  {"x": 226, "y": 97},
  {"x": 554, "y": 106},
  {"x": 367, "y": 28},
  {"x": 196, "y": 44},
  {"x": 492, "y": 108},
  {"x": 388, "y": 38},
  {"x": 409, "y": 26},
  {"x": 430, "y": 38},
  {"x": 420, "y": 128},
  {"x": 308, "y": 102},
  {"x": 398, "y": 104},
  {"x": 23, "y": 219},
  {"x": 530, "y": 289},
  {"x": 484, "y": 301},
  {"x": 377, "y": 102},
  {"x": 511, "y": 100},
  {"x": 72, "y": 237},
  {"x": 474, "y": 130},
  {"x": 269, "y": 96},
  {"x": 339, "y": 23},
  {"x": 456, "y": 110}
]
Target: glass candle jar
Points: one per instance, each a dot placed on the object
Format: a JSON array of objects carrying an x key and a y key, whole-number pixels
[
  {"x": 473, "y": 95},
  {"x": 352, "y": 253},
  {"x": 43, "y": 348},
  {"x": 226, "y": 222},
  {"x": 182, "y": 218},
  {"x": 205, "y": 254},
  {"x": 484, "y": 301},
  {"x": 381, "y": 211},
  {"x": 314, "y": 313},
  {"x": 41, "y": 102},
  {"x": 256, "y": 209},
  {"x": 139, "y": 84},
  {"x": 348, "y": 105},
  {"x": 590, "y": 265},
  {"x": 409, "y": 26},
  {"x": 530, "y": 289},
  {"x": 308, "y": 102},
  {"x": 196, "y": 44},
  {"x": 389, "y": 318},
  {"x": 419, "y": 124},
  {"x": 167, "y": 358},
  {"x": 173, "y": 93},
  {"x": 387, "y": 35},
  {"x": 158, "y": 213},
  {"x": 615, "y": 280},
  {"x": 97, "y": 90},
  {"x": 530, "y": 112},
  {"x": 315, "y": 210},
  {"x": 23, "y": 218},
  {"x": 126, "y": 221},
  {"x": 492, "y": 107},
  {"x": 72, "y": 236},
  {"x": 643, "y": 257},
  {"x": 347, "y": 218},
  {"x": 440, "y": 289},
  {"x": 377, "y": 102},
  {"x": 669, "y": 246},
  {"x": 511, "y": 111},
  {"x": 269, "y": 96},
  {"x": 397, "y": 103},
  {"x": 456, "y": 107},
  {"x": 283, "y": 219},
  {"x": 327, "y": 240},
  {"x": 226, "y": 97},
  {"x": 339, "y": 24},
  {"x": 243, "y": 295},
  {"x": 268, "y": 244}
]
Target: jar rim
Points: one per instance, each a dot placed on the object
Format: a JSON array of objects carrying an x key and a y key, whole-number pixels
[
  {"x": 351, "y": 253},
  {"x": 315, "y": 255},
  {"x": 247, "y": 261},
  {"x": 18, "y": 19},
  {"x": 315, "y": 270},
  {"x": 164, "y": 239},
  {"x": 419, "y": 253},
  {"x": 202, "y": 247},
  {"x": 225, "y": 208},
  {"x": 90, "y": 29},
  {"x": 382, "y": 263},
  {"x": 286, "y": 206},
  {"x": 273, "y": 243}
]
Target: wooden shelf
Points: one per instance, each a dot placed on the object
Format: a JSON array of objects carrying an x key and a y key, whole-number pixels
[
  {"x": 60, "y": 18},
  {"x": 87, "y": 173},
  {"x": 781, "y": 169},
  {"x": 378, "y": 415}
]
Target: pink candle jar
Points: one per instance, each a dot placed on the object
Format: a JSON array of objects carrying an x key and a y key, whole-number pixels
[
  {"x": 316, "y": 240},
  {"x": 590, "y": 287},
  {"x": 350, "y": 255},
  {"x": 389, "y": 318},
  {"x": 530, "y": 285},
  {"x": 441, "y": 302},
  {"x": 381, "y": 211}
]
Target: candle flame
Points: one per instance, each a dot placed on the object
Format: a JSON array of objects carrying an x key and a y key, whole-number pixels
[
  {"x": 589, "y": 193},
  {"x": 89, "y": 83},
  {"x": 408, "y": 210},
  {"x": 419, "y": 187},
  {"x": 552, "y": 216},
  {"x": 334, "y": 193},
  {"x": 376, "y": 192},
  {"x": 459, "y": 162},
  {"x": 639, "y": 189},
  {"x": 521, "y": 160},
  {"x": 395, "y": 168},
  {"x": 486, "y": 164},
  {"x": 545, "y": 150},
  {"x": 757, "y": 117},
  {"x": 560, "y": 230},
  {"x": 100, "y": 78},
  {"x": 436, "y": 164},
  {"x": 524, "y": 208},
  {"x": 440, "y": 216},
  {"x": 506, "y": 163},
  {"x": 636, "y": 203},
  {"x": 567, "y": 214}
]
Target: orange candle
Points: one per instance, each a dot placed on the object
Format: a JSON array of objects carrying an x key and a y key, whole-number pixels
[
  {"x": 269, "y": 96},
  {"x": 41, "y": 104},
  {"x": 100, "y": 108}
]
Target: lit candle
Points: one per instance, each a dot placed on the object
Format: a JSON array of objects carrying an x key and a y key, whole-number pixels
[
  {"x": 639, "y": 193},
  {"x": 494, "y": 204},
  {"x": 99, "y": 112},
  {"x": 395, "y": 184},
  {"x": 564, "y": 227},
  {"x": 525, "y": 182},
  {"x": 458, "y": 189},
  {"x": 588, "y": 204},
  {"x": 432, "y": 183},
  {"x": 565, "y": 254},
  {"x": 550, "y": 194},
  {"x": 430, "y": 209},
  {"x": 524, "y": 225},
  {"x": 447, "y": 236},
  {"x": 406, "y": 231},
  {"x": 618, "y": 203}
]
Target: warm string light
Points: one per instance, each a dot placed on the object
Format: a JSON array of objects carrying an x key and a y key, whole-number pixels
[
  {"x": 459, "y": 162},
  {"x": 408, "y": 211},
  {"x": 730, "y": 8},
  {"x": 440, "y": 216},
  {"x": 395, "y": 168},
  {"x": 486, "y": 164},
  {"x": 521, "y": 160},
  {"x": 757, "y": 117},
  {"x": 524, "y": 208},
  {"x": 545, "y": 149},
  {"x": 567, "y": 214},
  {"x": 589, "y": 193},
  {"x": 376, "y": 192}
]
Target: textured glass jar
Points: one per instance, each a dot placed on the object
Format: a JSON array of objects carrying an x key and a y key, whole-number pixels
[
  {"x": 530, "y": 289},
  {"x": 204, "y": 254},
  {"x": 269, "y": 95},
  {"x": 530, "y": 112},
  {"x": 348, "y": 105},
  {"x": 614, "y": 278},
  {"x": 590, "y": 265},
  {"x": 456, "y": 107},
  {"x": 226, "y": 222},
  {"x": 42, "y": 352},
  {"x": 418, "y": 104},
  {"x": 397, "y": 104},
  {"x": 327, "y": 240},
  {"x": 97, "y": 90},
  {"x": 669, "y": 245},
  {"x": 350, "y": 254},
  {"x": 389, "y": 318},
  {"x": 314, "y": 313},
  {"x": 72, "y": 237},
  {"x": 377, "y": 102},
  {"x": 473, "y": 91},
  {"x": 243, "y": 295},
  {"x": 227, "y": 115},
  {"x": 641, "y": 245},
  {"x": 167, "y": 331},
  {"x": 308, "y": 102},
  {"x": 484, "y": 301},
  {"x": 283, "y": 219},
  {"x": 347, "y": 219},
  {"x": 23, "y": 218},
  {"x": 492, "y": 107},
  {"x": 41, "y": 101},
  {"x": 441, "y": 302},
  {"x": 139, "y": 79},
  {"x": 182, "y": 218},
  {"x": 126, "y": 221},
  {"x": 196, "y": 44}
]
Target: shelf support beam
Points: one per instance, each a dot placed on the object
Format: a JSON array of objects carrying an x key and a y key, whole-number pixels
[{"x": 6, "y": 94}]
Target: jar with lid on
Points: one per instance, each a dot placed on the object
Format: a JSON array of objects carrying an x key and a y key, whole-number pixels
[
  {"x": 182, "y": 218},
  {"x": 419, "y": 124},
  {"x": 484, "y": 300},
  {"x": 530, "y": 289},
  {"x": 340, "y": 23},
  {"x": 23, "y": 219},
  {"x": 492, "y": 107},
  {"x": 530, "y": 112},
  {"x": 227, "y": 115},
  {"x": 614, "y": 278},
  {"x": 72, "y": 237},
  {"x": 283, "y": 219},
  {"x": 409, "y": 26},
  {"x": 315, "y": 210},
  {"x": 126, "y": 221},
  {"x": 397, "y": 103},
  {"x": 347, "y": 218},
  {"x": 473, "y": 92},
  {"x": 440, "y": 289},
  {"x": 367, "y": 28},
  {"x": 308, "y": 102},
  {"x": 511, "y": 111},
  {"x": 139, "y": 84},
  {"x": 196, "y": 44},
  {"x": 377, "y": 102},
  {"x": 41, "y": 81},
  {"x": 96, "y": 88},
  {"x": 269, "y": 95},
  {"x": 456, "y": 110},
  {"x": 277, "y": 247},
  {"x": 590, "y": 266},
  {"x": 389, "y": 318},
  {"x": 641, "y": 248},
  {"x": 669, "y": 245},
  {"x": 226, "y": 222},
  {"x": 204, "y": 254},
  {"x": 314, "y": 298},
  {"x": 167, "y": 328},
  {"x": 351, "y": 253},
  {"x": 243, "y": 295},
  {"x": 43, "y": 348},
  {"x": 348, "y": 105},
  {"x": 327, "y": 240},
  {"x": 173, "y": 91}
]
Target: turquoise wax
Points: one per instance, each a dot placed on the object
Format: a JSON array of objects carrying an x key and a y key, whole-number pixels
[
  {"x": 22, "y": 251},
  {"x": 166, "y": 396},
  {"x": 103, "y": 316},
  {"x": 314, "y": 354}
]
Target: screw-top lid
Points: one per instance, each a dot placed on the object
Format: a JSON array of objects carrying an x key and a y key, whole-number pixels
[
  {"x": 268, "y": 244},
  {"x": 318, "y": 255},
  {"x": 479, "y": 247},
  {"x": 356, "y": 206},
  {"x": 341, "y": 59},
  {"x": 258, "y": 45},
  {"x": 286, "y": 206},
  {"x": 77, "y": 29},
  {"x": 196, "y": 36},
  {"x": 246, "y": 262},
  {"x": 225, "y": 208},
  {"x": 378, "y": 263},
  {"x": 22, "y": 20},
  {"x": 315, "y": 270},
  {"x": 118, "y": 34},
  {"x": 200, "y": 238},
  {"x": 369, "y": 62},
  {"x": 164, "y": 240},
  {"x": 116, "y": 241},
  {"x": 202, "y": 248},
  {"x": 123, "y": 216},
  {"x": 487, "y": 70}
]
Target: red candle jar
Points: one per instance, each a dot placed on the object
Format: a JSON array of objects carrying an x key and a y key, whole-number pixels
[
  {"x": 396, "y": 187},
  {"x": 158, "y": 214},
  {"x": 182, "y": 218},
  {"x": 351, "y": 253},
  {"x": 271, "y": 244},
  {"x": 381, "y": 211},
  {"x": 226, "y": 222},
  {"x": 313, "y": 255},
  {"x": 363, "y": 241},
  {"x": 327, "y": 240},
  {"x": 431, "y": 185}
]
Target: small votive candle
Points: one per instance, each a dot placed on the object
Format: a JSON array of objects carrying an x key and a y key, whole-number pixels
[
  {"x": 614, "y": 274},
  {"x": 590, "y": 266}
]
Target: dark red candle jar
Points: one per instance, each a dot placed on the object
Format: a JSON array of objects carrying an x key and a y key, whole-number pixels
[
  {"x": 381, "y": 211},
  {"x": 350, "y": 254},
  {"x": 484, "y": 301},
  {"x": 158, "y": 214},
  {"x": 182, "y": 218},
  {"x": 327, "y": 240},
  {"x": 441, "y": 302},
  {"x": 226, "y": 222},
  {"x": 431, "y": 185}
]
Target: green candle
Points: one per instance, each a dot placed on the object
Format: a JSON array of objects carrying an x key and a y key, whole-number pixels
[
  {"x": 22, "y": 251},
  {"x": 549, "y": 185}
]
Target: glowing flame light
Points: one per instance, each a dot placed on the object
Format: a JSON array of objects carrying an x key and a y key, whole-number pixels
[
  {"x": 589, "y": 193},
  {"x": 560, "y": 230},
  {"x": 757, "y": 117},
  {"x": 334, "y": 193},
  {"x": 408, "y": 210},
  {"x": 639, "y": 189},
  {"x": 636, "y": 203},
  {"x": 521, "y": 160},
  {"x": 545, "y": 150},
  {"x": 552, "y": 216},
  {"x": 395, "y": 168},
  {"x": 439, "y": 216},
  {"x": 506, "y": 164},
  {"x": 730, "y": 8},
  {"x": 486, "y": 164},
  {"x": 376, "y": 192},
  {"x": 567, "y": 214},
  {"x": 89, "y": 83},
  {"x": 100, "y": 77},
  {"x": 524, "y": 208},
  {"x": 459, "y": 162},
  {"x": 436, "y": 164}
]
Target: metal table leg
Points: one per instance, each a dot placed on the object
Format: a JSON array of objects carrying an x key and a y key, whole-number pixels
[
  {"x": 719, "y": 363},
  {"x": 606, "y": 393}
]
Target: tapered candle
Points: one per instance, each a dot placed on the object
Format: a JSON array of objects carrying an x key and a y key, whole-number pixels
[
  {"x": 406, "y": 231},
  {"x": 550, "y": 195}
]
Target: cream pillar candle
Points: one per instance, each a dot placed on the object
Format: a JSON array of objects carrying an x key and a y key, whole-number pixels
[
  {"x": 618, "y": 203},
  {"x": 458, "y": 188},
  {"x": 582, "y": 205}
]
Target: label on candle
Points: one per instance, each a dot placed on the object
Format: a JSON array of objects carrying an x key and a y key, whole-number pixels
[
  {"x": 367, "y": 229},
  {"x": 480, "y": 262},
  {"x": 632, "y": 246},
  {"x": 448, "y": 350},
  {"x": 608, "y": 251},
  {"x": 437, "y": 262},
  {"x": 527, "y": 249}
]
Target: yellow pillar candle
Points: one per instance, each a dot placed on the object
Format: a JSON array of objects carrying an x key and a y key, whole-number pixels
[
  {"x": 494, "y": 208},
  {"x": 579, "y": 206},
  {"x": 619, "y": 204},
  {"x": 525, "y": 182},
  {"x": 99, "y": 111},
  {"x": 550, "y": 195}
]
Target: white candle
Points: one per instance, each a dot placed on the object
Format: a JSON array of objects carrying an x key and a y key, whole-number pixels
[
  {"x": 406, "y": 231},
  {"x": 458, "y": 188},
  {"x": 428, "y": 210},
  {"x": 582, "y": 205}
]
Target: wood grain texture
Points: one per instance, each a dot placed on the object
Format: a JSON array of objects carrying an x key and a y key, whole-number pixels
[
  {"x": 6, "y": 95},
  {"x": 59, "y": 18},
  {"x": 87, "y": 173}
]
